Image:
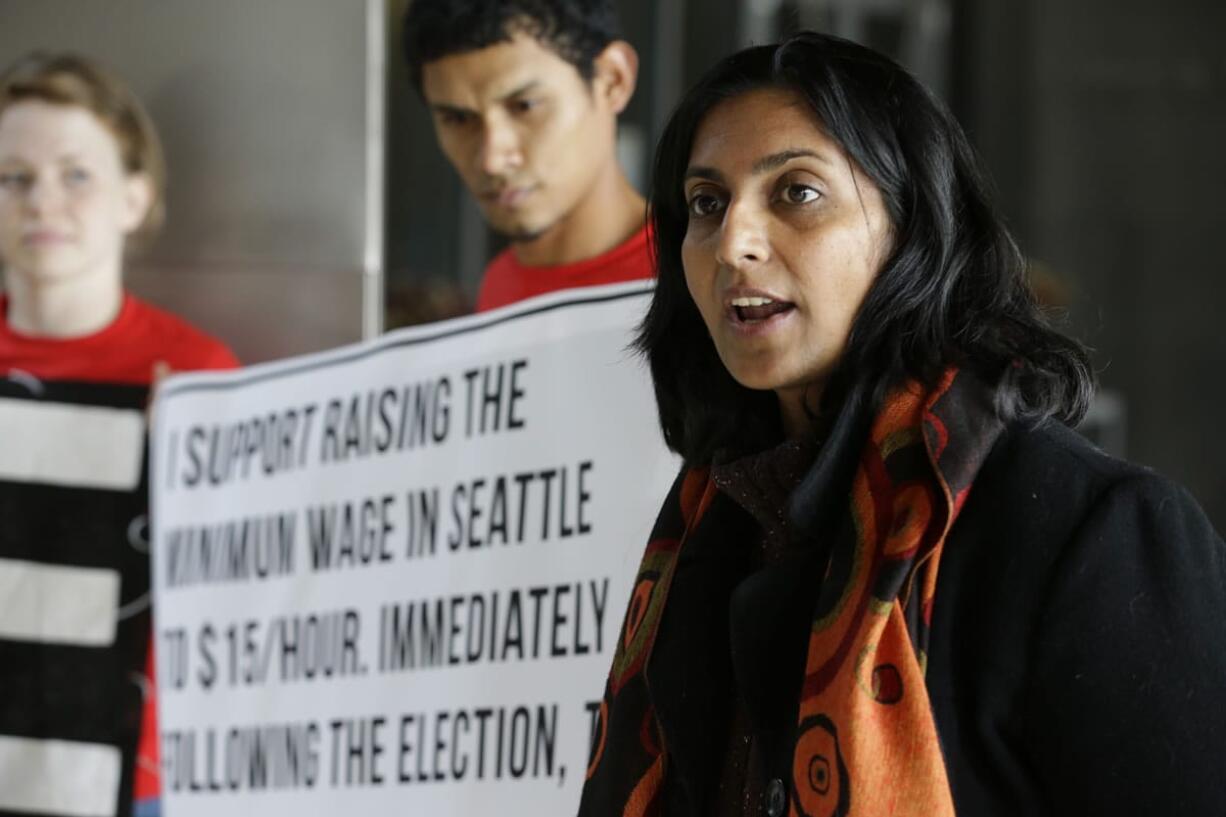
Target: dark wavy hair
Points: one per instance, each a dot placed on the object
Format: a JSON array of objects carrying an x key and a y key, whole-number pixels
[
  {"x": 952, "y": 292},
  {"x": 575, "y": 30}
]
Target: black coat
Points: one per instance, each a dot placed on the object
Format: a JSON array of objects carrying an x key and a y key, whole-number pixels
[
  {"x": 1077, "y": 660},
  {"x": 1078, "y": 653}
]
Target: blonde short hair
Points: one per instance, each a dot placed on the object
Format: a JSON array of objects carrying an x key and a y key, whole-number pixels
[{"x": 70, "y": 79}]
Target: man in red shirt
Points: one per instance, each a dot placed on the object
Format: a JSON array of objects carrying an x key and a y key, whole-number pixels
[{"x": 525, "y": 97}]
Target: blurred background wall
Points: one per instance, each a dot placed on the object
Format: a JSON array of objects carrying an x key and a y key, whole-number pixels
[
  {"x": 309, "y": 204},
  {"x": 270, "y": 111},
  {"x": 1103, "y": 124}
]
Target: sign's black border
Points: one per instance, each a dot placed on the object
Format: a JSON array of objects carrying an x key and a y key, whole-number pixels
[{"x": 386, "y": 342}]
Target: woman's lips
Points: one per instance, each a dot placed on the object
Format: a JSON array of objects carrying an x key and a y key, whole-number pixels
[
  {"x": 44, "y": 238},
  {"x": 753, "y": 314}
]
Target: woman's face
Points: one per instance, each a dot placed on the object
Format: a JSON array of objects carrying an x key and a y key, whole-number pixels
[
  {"x": 66, "y": 202},
  {"x": 785, "y": 237}
]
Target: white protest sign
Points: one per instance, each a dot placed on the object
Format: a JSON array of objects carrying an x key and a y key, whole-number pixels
[{"x": 389, "y": 578}]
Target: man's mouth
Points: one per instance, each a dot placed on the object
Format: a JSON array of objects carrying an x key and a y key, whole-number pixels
[
  {"x": 756, "y": 309},
  {"x": 509, "y": 196}
]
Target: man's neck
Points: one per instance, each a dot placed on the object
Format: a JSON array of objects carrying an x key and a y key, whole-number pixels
[
  {"x": 68, "y": 309},
  {"x": 608, "y": 215}
]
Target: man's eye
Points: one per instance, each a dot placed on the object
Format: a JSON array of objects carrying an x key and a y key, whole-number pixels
[
  {"x": 521, "y": 106},
  {"x": 704, "y": 204},
  {"x": 455, "y": 118},
  {"x": 800, "y": 194},
  {"x": 75, "y": 176}
]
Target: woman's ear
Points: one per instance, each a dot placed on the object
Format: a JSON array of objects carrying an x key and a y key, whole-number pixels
[
  {"x": 138, "y": 201},
  {"x": 616, "y": 73}
]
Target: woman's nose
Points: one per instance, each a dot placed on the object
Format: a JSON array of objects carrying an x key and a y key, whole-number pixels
[
  {"x": 43, "y": 195},
  {"x": 743, "y": 236}
]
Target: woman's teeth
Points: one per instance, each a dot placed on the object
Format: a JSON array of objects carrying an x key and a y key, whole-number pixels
[{"x": 751, "y": 309}]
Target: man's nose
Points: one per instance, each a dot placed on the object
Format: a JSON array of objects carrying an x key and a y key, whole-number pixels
[{"x": 500, "y": 150}]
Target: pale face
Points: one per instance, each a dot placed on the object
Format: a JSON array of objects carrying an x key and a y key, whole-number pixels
[
  {"x": 785, "y": 237},
  {"x": 66, "y": 202},
  {"x": 527, "y": 134}
]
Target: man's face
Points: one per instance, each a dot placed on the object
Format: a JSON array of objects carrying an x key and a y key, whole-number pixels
[{"x": 524, "y": 130}]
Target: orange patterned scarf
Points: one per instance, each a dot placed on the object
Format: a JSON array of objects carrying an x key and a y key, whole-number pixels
[{"x": 866, "y": 743}]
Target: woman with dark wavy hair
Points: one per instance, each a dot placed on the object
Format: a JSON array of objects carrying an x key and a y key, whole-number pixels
[{"x": 890, "y": 580}]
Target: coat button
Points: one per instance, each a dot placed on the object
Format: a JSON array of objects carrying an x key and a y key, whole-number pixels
[{"x": 775, "y": 798}]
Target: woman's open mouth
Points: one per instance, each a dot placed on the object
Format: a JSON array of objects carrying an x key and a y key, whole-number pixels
[{"x": 750, "y": 312}]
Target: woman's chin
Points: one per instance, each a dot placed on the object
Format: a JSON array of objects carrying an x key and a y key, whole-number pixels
[
  {"x": 758, "y": 378},
  {"x": 57, "y": 268}
]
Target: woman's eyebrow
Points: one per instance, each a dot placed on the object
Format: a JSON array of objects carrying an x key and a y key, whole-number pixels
[
  {"x": 702, "y": 172},
  {"x": 764, "y": 165},
  {"x": 777, "y": 160}
]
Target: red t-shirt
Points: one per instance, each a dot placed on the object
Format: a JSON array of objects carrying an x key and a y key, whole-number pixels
[
  {"x": 124, "y": 352},
  {"x": 507, "y": 281}
]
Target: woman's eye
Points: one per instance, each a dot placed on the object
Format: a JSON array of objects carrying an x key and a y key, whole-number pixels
[
  {"x": 703, "y": 204},
  {"x": 800, "y": 194},
  {"x": 76, "y": 176},
  {"x": 16, "y": 181}
]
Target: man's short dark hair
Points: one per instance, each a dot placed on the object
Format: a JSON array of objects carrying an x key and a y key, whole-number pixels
[{"x": 576, "y": 30}]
